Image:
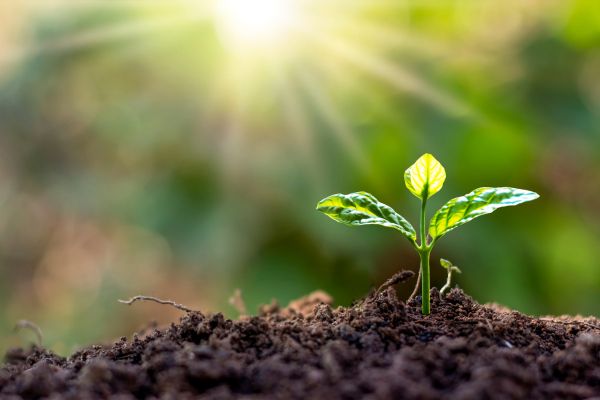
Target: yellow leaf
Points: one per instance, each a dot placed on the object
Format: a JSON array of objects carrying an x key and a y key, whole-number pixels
[{"x": 425, "y": 177}]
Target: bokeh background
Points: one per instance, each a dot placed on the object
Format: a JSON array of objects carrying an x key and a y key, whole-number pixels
[{"x": 155, "y": 147}]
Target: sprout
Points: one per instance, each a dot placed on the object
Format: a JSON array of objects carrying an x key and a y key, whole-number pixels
[
  {"x": 423, "y": 179},
  {"x": 450, "y": 268}
]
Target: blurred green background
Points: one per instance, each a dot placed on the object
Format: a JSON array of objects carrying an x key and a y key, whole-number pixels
[{"x": 152, "y": 147}]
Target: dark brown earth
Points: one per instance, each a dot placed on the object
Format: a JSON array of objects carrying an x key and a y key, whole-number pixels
[{"x": 379, "y": 348}]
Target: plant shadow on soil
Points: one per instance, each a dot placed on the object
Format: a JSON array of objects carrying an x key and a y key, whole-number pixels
[{"x": 379, "y": 348}]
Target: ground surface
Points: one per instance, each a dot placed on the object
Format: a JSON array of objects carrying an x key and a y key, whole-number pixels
[{"x": 378, "y": 349}]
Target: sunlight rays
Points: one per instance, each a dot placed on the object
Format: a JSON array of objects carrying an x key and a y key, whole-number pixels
[
  {"x": 302, "y": 133},
  {"x": 108, "y": 34},
  {"x": 382, "y": 36},
  {"x": 269, "y": 38},
  {"x": 334, "y": 119},
  {"x": 163, "y": 14},
  {"x": 267, "y": 20},
  {"x": 394, "y": 74},
  {"x": 325, "y": 41}
]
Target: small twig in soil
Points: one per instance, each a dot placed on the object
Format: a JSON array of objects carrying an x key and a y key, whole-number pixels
[
  {"x": 157, "y": 300},
  {"x": 237, "y": 302},
  {"x": 395, "y": 279},
  {"x": 417, "y": 287},
  {"x": 24, "y": 324}
]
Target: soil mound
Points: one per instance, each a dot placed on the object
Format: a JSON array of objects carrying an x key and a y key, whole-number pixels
[{"x": 380, "y": 348}]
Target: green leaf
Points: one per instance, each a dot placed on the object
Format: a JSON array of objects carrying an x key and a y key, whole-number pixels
[
  {"x": 362, "y": 208},
  {"x": 449, "y": 266},
  {"x": 425, "y": 177},
  {"x": 445, "y": 263},
  {"x": 479, "y": 202}
]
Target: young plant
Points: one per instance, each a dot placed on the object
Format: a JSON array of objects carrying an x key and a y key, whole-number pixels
[
  {"x": 447, "y": 265},
  {"x": 423, "y": 179}
]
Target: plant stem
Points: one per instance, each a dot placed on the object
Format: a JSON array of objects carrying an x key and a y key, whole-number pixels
[
  {"x": 448, "y": 283},
  {"x": 425, "y": 283},
  {"x": 424, "y": 252}
]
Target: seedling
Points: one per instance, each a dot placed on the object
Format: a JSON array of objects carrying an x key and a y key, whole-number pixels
[
  {"x": 450, "y": 268},
  {"x": 423, "y": 179},
  {"x": 37, "y": 331}
]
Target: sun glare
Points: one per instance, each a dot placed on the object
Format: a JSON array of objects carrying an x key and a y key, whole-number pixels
[{"x": 255, "y": 23}]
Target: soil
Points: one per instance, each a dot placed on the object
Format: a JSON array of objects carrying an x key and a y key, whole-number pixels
[{"x": 380, "y": 348}]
